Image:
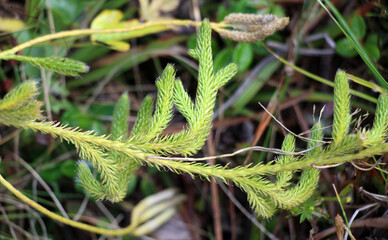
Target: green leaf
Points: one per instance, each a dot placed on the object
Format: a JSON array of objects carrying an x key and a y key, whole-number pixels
[
  {"x": 345, "y": 48},
  {"x": 278, "y": 11},
  {"x": 305, "y": 210},
  {"x": 132, "y": 184},
  {"x": 341, "y": 23},
  {"x": 371, "y": 47},
  {"x": 67, "y": 11},
  {"x": 125, "y": 62},
  {"x": 147, "y": 187},
  {"x": 191, "y": 42},
  {"x": 255, "y": 86},
  {"x": 51, "y": 173},
  {"x": 74, "y": 117},
  {"x": 114, "y": 4},
  {"x": 223, "y": 58},
  {"x": 222, "y": 12},
  {"x": 358, "y": 27},
  {"x": 68, "y": 169},
  {"x": 243, "y": 56},
  {"x": 89, "y": 53},
  {"x": 342, "y": 116}
]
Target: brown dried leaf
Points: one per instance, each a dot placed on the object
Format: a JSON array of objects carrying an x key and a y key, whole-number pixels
[
  {"x": 251, "y": 27},
  {"x": 152, "y": 10},
  {"x": 339, "y": 223}
]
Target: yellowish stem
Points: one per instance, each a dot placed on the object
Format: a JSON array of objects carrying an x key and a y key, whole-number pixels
[
  {"x": 115, "y": 232},
  {"x": 79, "y": 32}
]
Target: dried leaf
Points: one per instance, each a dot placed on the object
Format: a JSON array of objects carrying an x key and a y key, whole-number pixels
[
  {"x": 110, "y": 19},
  {"x": 11, "y": 24},
  {"x": 151, "y": 11},
  {"x": 252, "y": 27}
]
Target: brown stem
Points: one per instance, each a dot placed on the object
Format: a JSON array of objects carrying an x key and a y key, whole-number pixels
[
  {"x": 214, "y": 194},
  {"x": 380, "y": 222}
]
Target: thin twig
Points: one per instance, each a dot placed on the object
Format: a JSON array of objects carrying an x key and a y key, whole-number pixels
[
  {"x": 56, "y": 160},
  {"x": 272, "y": 105},
  {"x": 214, "y": 194},
  {"x": 232, "y": 212},
  {"x": 107, "y": 213},
  {"x": 102, "y": 84},
  {"x": 380, "y": 222},
  {"x": 20, "y": 229},
  {"x": 349, "y": 232},
  {"x": 302, "y": 51},
  {"x": 320, "y": 36},
  {"x": 196, "y": 12},
  {"x": 355, "y": 214},
  {"x": 82, "y": 208},
  {"x": 247, "y": 81},
  {"x": 288, "y": 130},
  {"x": 44, "y": 185},
  {"x": 366, "y": 169},
  {"x": 326, "y": 166},
  {"x": 5, "y": 215},
  {"x": 251, "y": 217},
  {"x": 377, "y": 197},
  {"x": 10, "y": 136},
  {"x": 254, "y": 148},
  {"x": 9, "y": 200},
  {"x": 46, "y": 93}
]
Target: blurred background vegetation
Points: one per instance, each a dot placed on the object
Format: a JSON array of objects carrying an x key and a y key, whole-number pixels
[{"x": 312, "y": 41}]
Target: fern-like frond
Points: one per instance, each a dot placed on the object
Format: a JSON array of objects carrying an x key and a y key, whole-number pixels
[
  {"x": 309, "y": 177},
  {"x": 183, "y": 102},
  {"x": 342, "y": 117},
  {"x": 19, "y": 96},
  {"x": 380, "y": 126},
  {"x": 315, "y": 142},
  {"x": 19, "y": 104},
  {"x": 64, "y": 66},
  {"x": 284, "y": 177},
  {"x": 88, "y": 181},
  {"x": 120, "y": 132},
  {"x": 119, "y": 129},
  {"x": 144, "y": 118},
  {"x": 163, "y": 111},
  {"x": 198, "y": 115}
]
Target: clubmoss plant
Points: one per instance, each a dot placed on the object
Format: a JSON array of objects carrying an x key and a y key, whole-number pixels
[{"x": 117, "y": 156}]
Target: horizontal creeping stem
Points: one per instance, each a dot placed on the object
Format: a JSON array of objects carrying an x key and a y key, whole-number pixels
[
  {"x": 134, "y": 152},
  {"x": 81, "y": 32},
  {"x": 268, "y": 169}
]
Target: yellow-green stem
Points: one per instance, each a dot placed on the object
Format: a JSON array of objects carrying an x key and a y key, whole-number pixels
[
  {"x": 317, "y": 78},
  {"x": 270, "y": 169},
  {"x": 79, "y": 32},
  {"x": 45, "y": 211}
]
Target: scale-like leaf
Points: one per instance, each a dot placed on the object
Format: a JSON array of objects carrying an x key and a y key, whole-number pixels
[{"x": 64, "y": 66}]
